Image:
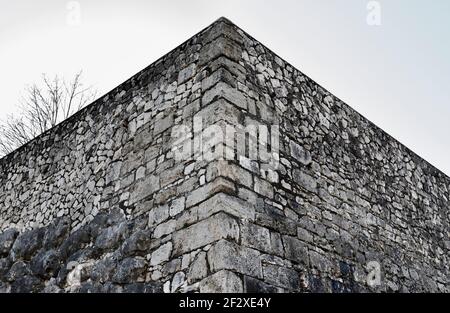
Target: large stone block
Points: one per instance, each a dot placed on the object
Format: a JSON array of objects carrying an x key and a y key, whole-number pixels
[
  {"x": 226, "y": 203},
  {"x": 208, "y": 190},
  {"x": 145, "y": 188},
  {"x": 221, "y": 46},
  {"x": 220, "y": 282},
  {"x": 225, "y": 91},
  {"x": 257, "y": 237},
  {"x": 214, "y": 228},
  {"x": 227, "y": 169},
  {"x": 296, "y": 250},
  {"x": 305, "y": 180},
  {"x": 231, "y": 256},
  {"x": 27, "y": 244},
  {"x": 7, "y": 239}
]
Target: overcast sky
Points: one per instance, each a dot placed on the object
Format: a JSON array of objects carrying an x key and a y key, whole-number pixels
[{"x": 397, "y": 74}]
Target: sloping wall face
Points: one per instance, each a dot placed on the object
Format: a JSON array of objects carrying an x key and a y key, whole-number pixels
[
  {"x": 348, "y": 208},
  {"x": 100, "y": 203},
  {"x": 221, "y": 168}
]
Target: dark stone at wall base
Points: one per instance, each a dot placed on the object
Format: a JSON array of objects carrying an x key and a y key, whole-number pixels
[
  {"x": 5, "y": 264},
  {"x": 104, "y": 269},
  {"x": 46, "y": 264},
  {"x": 27, "y": 244},
  {"x": 76, "y": 241},
  {"x": 26, "y": 284},
  {"x": 137, "y": 244},
  {"x": 129, "y": 270},
  {"x": 17, "y": 270},
  {"x": 56, "y": 233},
  {"x": 154, "y": 287},
  {"x": 7, "y": 239},
  {"x": 342, "y": 193},
  {"x": 315, "y": 284},
  {"x": 253, "y": 285}
]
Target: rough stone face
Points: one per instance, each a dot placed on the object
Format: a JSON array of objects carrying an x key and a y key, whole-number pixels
[
  {"x": 46, "y": 264},
  {"x": 138, "y": 242},
  {"x": 6, "y": 241},
  {"x": 109, "y": 200},
  {"x": 162, "y": 254},
  {"x": 230, "y": 256},
  {"x": 204, "y": 232},
  {"x": 129, "y": 270},
  {"x": 222, "y": 280},
  {"x": 27, "y": 244}
]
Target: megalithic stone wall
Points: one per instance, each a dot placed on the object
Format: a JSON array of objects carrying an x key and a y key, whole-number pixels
[{"x": 149, "y": 189}]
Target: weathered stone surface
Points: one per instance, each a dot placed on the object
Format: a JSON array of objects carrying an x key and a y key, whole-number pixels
[
  {"x": 256, "y": 237},
  {"x": 198, "y": 268},
  {"x": 7, "y": 239},
  {"x": 129, "y": 270},
  {"x": 103, "y": 203},
  {"x": 143, "y": 288},
  {"x": 222, "y": 281},
  {"x": 186, "y": 73},
  {"x": 204, "y": 232},
  {"x": 74, "y": 242},
  {"x": 111, "y": 237},
  {"x": 305, "y": 180},
  {"x": 225, "y": 203},
  {"x": 26, "y": 284},
  {"x": 46, "y": 264},
  {"x": 17, "y": 270},
  {"x": 138, "y": 243},
  {"x": 162, "y": 125},
  {"x": 230, "y": 256},
  {"x": 220, "y": 46},
  {"x": 253, "y": 285},
  {"x": 282, "y": 277},
  {"x": 56, "y": 233},
  {"x": 206, "y": 191},
  {"x": 27, "y": 244},
  {"x": 295, "y": 250},
  {"x": 145, "y": 188},
  {"x": 162, "y": 254},
  {"x": 104, "y": 269},
  {"x": 299, "y": 153}
]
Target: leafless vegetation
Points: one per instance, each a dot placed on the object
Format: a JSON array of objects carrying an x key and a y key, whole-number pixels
[{"x": 42, "y": 106}]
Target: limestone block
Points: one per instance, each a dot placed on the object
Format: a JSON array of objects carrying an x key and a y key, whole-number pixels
[
  {"x": 231, "y": 256},
  {"x": 145, "y": 188},
  {"x": 296, "y": 250},
  {"x": 7, "y": 239},
  {"x": 163, "y": 124},
  {"x": 214, "y": 228},
  {"x": 226, "y": 203},
  {"x": 256, "y": 237},
  {"x": 299, "y": 153},
  {"x": 129, "y": 270},
  {"x": 220, "y": 282},
  {"x": 305, "y": 180},
  {"x": 162, "y": 254},
  {"x": 158, "y": 215},
  {"x": 208, "y": 190},
  {"x": 186, "y": 73},
  {"x": 198, "y": 269},
  {"x": 225, "y": 91},
  {"x": 221, "y": 46}
]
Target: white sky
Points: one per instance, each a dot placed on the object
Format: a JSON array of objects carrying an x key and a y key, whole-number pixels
[{"x": 396, "y": 74}]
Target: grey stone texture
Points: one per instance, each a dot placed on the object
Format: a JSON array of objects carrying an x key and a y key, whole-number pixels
[{"x": 100, "y": 203}]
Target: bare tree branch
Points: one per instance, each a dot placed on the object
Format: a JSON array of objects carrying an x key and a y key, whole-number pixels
[{"x": 42, "y": 107}]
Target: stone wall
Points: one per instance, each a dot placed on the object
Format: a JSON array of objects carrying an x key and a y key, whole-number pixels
[{"x": 101, "y": 202}]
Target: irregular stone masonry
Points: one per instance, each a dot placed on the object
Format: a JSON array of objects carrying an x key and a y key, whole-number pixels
[{"x": 101, "y": 203}]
